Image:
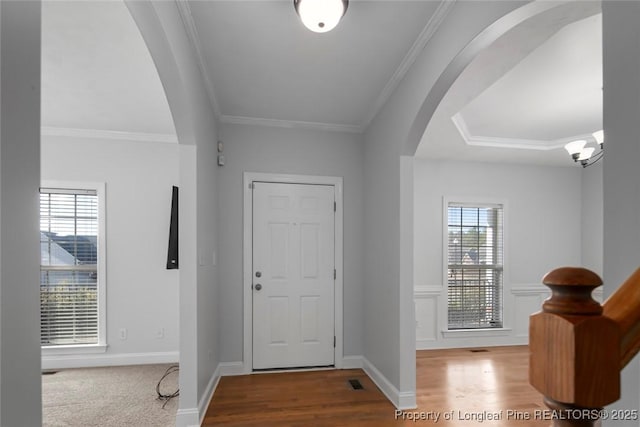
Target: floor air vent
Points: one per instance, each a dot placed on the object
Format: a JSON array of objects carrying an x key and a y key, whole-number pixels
[
  {"x": 356, "y": 385},
  {"x": 479, "y": 350}
]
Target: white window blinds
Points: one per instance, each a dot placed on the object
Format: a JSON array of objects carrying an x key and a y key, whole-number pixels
[
  {"x": 475, "y": 266},
  {"x": 68, "y": 267}
]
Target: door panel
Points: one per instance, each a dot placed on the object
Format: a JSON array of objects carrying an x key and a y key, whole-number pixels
[
  {"x": 278, "y": 250},
  {"x": 309, "y": 250},
  {"x": 293, "y": 251}
]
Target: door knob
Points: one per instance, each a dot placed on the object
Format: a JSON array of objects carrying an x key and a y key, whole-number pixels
[
  {"x": 258, "y": 274},
  {"x": 258, "y": 286}
]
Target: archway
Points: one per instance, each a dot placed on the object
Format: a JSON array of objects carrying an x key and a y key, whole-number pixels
[
  {"x": 162, "y": 27},
  {"x": 425, "y": 111},
  {"x": 462, "y": 60}
]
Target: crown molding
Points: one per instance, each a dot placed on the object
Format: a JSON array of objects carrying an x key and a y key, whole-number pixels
[
  {"x": 427, "y": 32},
  {"x": 108, "y": 135},
  {"x": 192, "y": 33},
  {"x": 517, "y": 143},
  {"x": 418, "y": 46},
  {"x": 290, "y": 124}
]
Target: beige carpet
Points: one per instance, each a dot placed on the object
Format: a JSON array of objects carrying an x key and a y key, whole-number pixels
[{"x": 109, "y": 397}]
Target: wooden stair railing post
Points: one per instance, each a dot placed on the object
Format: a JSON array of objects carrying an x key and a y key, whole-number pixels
[
  {"x": 623, "y": 307},
  {"x": 574, "y": 350}
]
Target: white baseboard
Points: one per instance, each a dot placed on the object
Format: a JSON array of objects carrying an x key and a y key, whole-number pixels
[
  {"x": 352, "y": 362},
  {"x": 203, "y": 405},
  {"x": 187, "y": 418},
  {"x": 425, "y": 344},
  {"x": 96, "y": 360},
  {"x": 193, "y": 417},
  {"x": 230, "y": 369},
  {"x": 407, "y": 400},
  {"x": 470, "y": 343},
  {"x": 401, "y": 400}
]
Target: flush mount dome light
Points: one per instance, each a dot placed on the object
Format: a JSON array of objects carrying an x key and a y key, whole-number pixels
[{"x": 320, "y": 16}]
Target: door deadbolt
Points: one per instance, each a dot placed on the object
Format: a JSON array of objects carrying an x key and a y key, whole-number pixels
[
  {"x": 258, "y": 286},
  {"x": 258, "y": 274}
]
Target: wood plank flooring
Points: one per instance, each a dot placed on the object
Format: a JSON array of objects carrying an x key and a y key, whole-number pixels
[{"x": 467, "y": 386}]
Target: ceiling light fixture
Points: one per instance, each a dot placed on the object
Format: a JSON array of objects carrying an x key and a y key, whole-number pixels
[
  {"x": 580, "y": 153},
  {"x": 320, "y": 16}
]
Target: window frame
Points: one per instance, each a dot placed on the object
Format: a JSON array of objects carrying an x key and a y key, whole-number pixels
[
  {"x": 444, "y": 318},
  {"x": 101, "y": 346}
]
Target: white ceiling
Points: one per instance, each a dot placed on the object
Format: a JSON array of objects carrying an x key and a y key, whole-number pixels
[
  {"x": 523, "y": 98},
  {"x": 560, "y": 79},
  {"x": 97, "y": 73},
  {"x": 263, "y": 63},
  {"x": 535, "y": 87}
]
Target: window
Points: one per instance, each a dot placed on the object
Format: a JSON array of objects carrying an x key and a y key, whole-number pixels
[
  {"x": 71, "y": 274},
  {"x": 475, "y": 265}
]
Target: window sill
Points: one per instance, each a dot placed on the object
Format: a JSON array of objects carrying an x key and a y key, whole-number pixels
[
  {"x": 60, "y": 350},
  {"x": 471, "y": 333}
]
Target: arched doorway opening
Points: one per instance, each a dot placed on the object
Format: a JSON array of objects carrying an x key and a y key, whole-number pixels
[{"x": 432, "y": 257}]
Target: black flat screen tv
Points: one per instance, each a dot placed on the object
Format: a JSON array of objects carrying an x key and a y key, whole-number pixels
[{"x": 172, "y": 253}]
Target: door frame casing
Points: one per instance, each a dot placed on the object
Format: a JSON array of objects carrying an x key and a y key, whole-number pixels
[{"x": 247, "y": 257}]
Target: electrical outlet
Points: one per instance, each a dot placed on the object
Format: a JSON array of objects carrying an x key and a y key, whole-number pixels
[
  {"x": 160, "y": 333},
  {"x": 123, "y": 333}
]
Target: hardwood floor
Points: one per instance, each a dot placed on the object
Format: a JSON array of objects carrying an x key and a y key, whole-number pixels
[
  {"x": 467, "y": 386},
  {"x": 474, "y": 383}
]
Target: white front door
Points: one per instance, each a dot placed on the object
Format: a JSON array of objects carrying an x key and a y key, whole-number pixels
[{"x": 293, "y": 275}]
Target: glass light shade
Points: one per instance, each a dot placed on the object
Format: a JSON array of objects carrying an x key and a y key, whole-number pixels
[
  {"x": 599, "y": 136},
  {"x": 575, "y": 147},
  {"x": 320, "y": 16},
  {"x": 586, "y": 153}
]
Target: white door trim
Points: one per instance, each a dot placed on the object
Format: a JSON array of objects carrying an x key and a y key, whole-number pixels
[{"x": 250, "y": 177}]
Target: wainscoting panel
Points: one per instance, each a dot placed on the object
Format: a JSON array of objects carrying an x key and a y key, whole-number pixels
[
  {"x": 527, "y": 299},
  {"x": 520, "y": 301},
  {"x": 427, "y": 300}
]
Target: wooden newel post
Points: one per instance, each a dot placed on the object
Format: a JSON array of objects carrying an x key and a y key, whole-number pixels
[{"x": 574, "y": 350}]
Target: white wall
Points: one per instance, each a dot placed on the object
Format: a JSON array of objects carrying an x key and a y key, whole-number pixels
[
  {"x": 542, "y": 232},
  {"x": 592, "y": 218},
  {"x": 287, "y": 151},
  {"x": 20, "y": 379},
  {"x": 142, "y": 295},
  {"x": 207, "y": 296},
  {"x": 621, "y": 55},
  {"x": 382, "y": 313}
]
